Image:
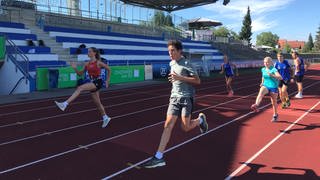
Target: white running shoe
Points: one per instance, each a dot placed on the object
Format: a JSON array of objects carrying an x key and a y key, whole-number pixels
[
  {"x": 106, "y": 122},
  {"x": 60, "y": 106},
  {"x": 299, "y": 96}
]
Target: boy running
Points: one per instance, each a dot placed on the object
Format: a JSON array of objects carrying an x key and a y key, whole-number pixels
[
  {"x": 284, "y": 69},
  {"x": 182, "y": 77}
]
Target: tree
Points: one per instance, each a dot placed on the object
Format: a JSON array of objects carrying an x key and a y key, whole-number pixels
[
  {"x": 310, "y": 41},
  {"x": 168, "y": 21},
  {"x": 309, "y": 45},
  {"x": 221, "y": 32},
  {"x": 246, "y": 32},
  {"x": 158, "y": 18},
  {"x": 317, "y": 41},
  {"x": 267, "y": 39},
  {"x": 234, "y": 35},
  {"x": 287, "y": 48}
]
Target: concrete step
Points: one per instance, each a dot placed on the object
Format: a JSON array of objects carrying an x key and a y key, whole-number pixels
[
  {"x": 66, "y": 56},
  {"x": 39, "y": 32},
  {"x": 60, "y": 51},
  {"x": 53, "y": 43},
  {"x": 61, "y": 54},
  {"x": 56, "y": 47},
  {"x": 49, "y": 40},
  {"x": 53, "y": 47}
]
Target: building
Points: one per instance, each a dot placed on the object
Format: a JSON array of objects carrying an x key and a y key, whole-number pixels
[{"x": 293, "y": 44}]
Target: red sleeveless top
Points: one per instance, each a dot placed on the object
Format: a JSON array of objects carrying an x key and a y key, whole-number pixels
[{"x": 93, "y": 69}]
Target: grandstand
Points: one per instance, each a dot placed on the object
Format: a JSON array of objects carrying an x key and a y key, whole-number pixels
[
  {"x": 122, "y": 44},
  {"x": 237, "y": 51}
]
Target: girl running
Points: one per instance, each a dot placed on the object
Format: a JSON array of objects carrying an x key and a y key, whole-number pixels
[
  {"x": 269, "y": 85},
  {"x": 284, "y": 69},
  {"x": 228, "y": 67},
  {"x": 93, "y": 66}
]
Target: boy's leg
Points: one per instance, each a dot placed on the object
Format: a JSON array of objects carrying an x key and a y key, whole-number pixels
[
  {"x": 158, "y": 159},
  {"x": 174, "y": 109},
  {"x": 166, "y": 134},
  {"x": 187, "y": 123}
]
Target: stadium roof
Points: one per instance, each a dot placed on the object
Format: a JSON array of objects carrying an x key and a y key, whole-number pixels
[
  {"x": 199, "y": 23},
  {"x": 171, "y": 5}
]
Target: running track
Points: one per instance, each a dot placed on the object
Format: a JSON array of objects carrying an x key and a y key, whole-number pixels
[{"x": 40, "y": 142}]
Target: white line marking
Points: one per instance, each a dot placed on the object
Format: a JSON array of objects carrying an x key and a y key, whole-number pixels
[
  {"x": 102, "y": 92},
  {"x": 192, "y": 139},
  {"x": 108, "y": 139},
  {"x": 234, "y": 173},
  {"x": 114, "y": 137},
  {"x": 183, "y": 143},
  {"x": 63, "y": 96},
  {"x": 93, "y": 109},
  {"x": 114, "y": 97},
  {"x": 85, "y": 124}
]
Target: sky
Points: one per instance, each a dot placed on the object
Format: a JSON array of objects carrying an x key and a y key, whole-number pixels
[{"x": 289, "y": 19}]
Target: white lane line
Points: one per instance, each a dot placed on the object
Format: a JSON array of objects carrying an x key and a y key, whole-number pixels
[
  {"x": 102, "y": 92},
  {"x": 75, "y": 103},
  {"x": 63, "y": 96},
  {"x": 114, "y": 97},
  {"x": 240, "y": 168},
  {"x": 194, "y": 138},
  {"x": 98, "y": 142},
  {"x": 94, "y": 109},
  {"x": 181, "y": 144},
  {"x": 108, "y": 139},
  {"x": 87, "y": 124}
]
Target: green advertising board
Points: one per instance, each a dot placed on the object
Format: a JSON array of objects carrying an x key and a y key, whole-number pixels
[
  {"x": 42, "y": 82},
  {"x": 123, "y": 74},
  {"x": 2, "y": 48},
  {"x": 67, "y": 77}
]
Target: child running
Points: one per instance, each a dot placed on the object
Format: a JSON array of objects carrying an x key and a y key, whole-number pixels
[
  {"x": 182, "y": 77},
  {"x": 228, "y": 67},
  {"x": 284, "y": 69},
  {"x": 269, "y": 85},
  {"x": 93, "y": 67},
  {"x": 300, "y": 67}
]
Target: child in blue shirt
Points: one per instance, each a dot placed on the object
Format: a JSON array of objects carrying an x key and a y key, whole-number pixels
[{"x": 269, "y": 85}]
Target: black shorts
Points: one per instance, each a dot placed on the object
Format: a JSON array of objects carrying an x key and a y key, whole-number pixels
[
  {"x": 283, "y": 82},
  {"x": 298, "y": 78},
  {"x": 98, "y": 83}
]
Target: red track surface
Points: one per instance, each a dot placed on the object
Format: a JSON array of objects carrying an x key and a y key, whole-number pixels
[{"x": 40, "y": 142}]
